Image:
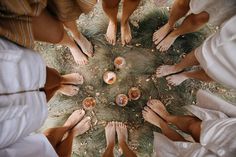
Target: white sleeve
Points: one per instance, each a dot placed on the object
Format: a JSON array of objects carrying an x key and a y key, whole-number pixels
[{"x": 31, "y": 146}]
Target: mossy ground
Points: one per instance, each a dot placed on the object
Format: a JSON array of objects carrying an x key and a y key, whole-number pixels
[{"x": 142, "y": 59}]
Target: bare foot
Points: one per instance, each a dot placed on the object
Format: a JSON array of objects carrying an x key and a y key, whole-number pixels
[
  {"x": 110, "y": 131},
  {"x": 82, "y": 126},
  {"x": 177, "y": 79},
  {"x": 73, "y": 78},
  {"x": 166, "y": 43},
  {"x": 161, "y": 33},
  {"x": 85, "y": 45},
  {"x": 125, "y": 34},
  {"x": 158, "y": 107},
  {"x": 122, "y": 132},
  {"x": 111, "y": 33},
  {"x": 165, "y": 70},
  {"x": 68, "y": 90},
  {"x": 74, "y": 118},
  {"x": 151, "y": 117},
  {"x": 79, "y": 57}
]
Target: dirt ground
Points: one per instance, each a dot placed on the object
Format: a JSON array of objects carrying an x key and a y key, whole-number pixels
[{"x": 142, "y": 59}]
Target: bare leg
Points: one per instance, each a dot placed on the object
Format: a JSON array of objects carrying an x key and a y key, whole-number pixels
[
  {"x": 128, "y": 8},
  {"x": 55, "y": 82},
  {"x": 188, "y": 124},
  {"x": 153, "y": 118},
  {"x": 122, "y": 135},
  {"x": 40, "y": 25},
  {"x": 188, "y": 61},
  {"x": 178, "y": 10},
  {"x": 57, "y": 34},
  {"x": 192, "y": 23},
  {"x": 111, "y": 9},
  {"x": 110, "y": 131},
  {"x": 64, "y": 148},
  {"x": 85, "y": 45},
  {"x": 177, "y": 79},
  {"x": 55, "y": 135}
]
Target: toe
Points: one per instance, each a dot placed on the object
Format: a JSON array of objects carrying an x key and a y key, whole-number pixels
[
  {"x": 158, "y": 47},
  {"x": 146, "y": 108},
  {"x": 144, "y": 112},
  {"x": 156, "y": 42},
  {"x": 161, "y": 48}
]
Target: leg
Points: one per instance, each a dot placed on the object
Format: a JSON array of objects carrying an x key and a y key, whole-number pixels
[
  {"x": 40, "y": 25},
  {"x": 177, "y": 79},
  {"x": 128, "y": 8},
  {"x": 191, "y": 23},
  {"x": 55, "y": 135},
  {"x": 110, "y": 131},
  {"x": 188, "y": 61},
  {"x": 79, "y": 57},
  {"x": 178, "y": 10},
  {"x": 153, "y": 118},
  {"x": 64, "y": 148},
  {"x": 188, "y": 124},
  {"x": 111, "y": 10},
  {"x": 55, "y": 35},
  {"x": 55, "y": 82},
  {"x": 84, "y": 44},
  {"x": 122, "y": 135}
]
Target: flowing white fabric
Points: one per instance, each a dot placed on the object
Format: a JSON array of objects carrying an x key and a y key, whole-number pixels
[
  {"x": 31, "y": 146},
  {"x": 23, "y": 108},
  {"x": 217, "y": 54},
  {"x": 218, "y": 10}
]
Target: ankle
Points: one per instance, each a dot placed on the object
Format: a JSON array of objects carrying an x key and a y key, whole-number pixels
[
  {"x": 124, "y": 23},
  {"x": 178, "y": 68},
  {"x": 122, "y": 143},
  {"x": 169, "y": 119},
  {"x": 110, "y": 146},
  {"x": 169, "y": 25},
  {"x": 113, "y": 23},
  {"x": 174, "y": 34}
]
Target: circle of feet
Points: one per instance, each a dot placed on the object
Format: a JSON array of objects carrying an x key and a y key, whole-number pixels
[{"x": 139, "y": 70}]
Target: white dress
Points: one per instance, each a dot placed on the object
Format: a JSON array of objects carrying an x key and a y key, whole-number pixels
[
  {"x": 218, "y": 10},
  {"x": 217, "y": 54},
  {"x": 23, "y": 108},
  {"x": 217, "y": 137}
]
